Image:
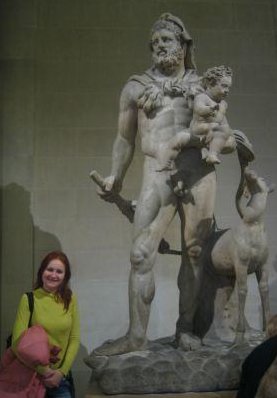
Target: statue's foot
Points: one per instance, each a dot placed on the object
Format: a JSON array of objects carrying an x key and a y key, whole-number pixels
[
  {"x": 119, "y": 346},
  {"x": 189, "y": 342}
]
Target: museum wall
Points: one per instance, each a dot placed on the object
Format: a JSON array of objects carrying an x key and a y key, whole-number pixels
[{"x": 63, "y": 64}]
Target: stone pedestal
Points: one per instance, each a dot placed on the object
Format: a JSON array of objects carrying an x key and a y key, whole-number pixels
[
  {"x": 164, "y": 369},
  {"x": 94, "y": 392}
]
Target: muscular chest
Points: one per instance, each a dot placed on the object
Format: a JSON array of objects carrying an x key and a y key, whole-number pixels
[{"x": 173, "y": 116}]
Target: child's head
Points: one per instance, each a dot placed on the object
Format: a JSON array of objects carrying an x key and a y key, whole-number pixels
[
  {"x": 217, "y": 81},
  {"x": 213, "y": 75}
]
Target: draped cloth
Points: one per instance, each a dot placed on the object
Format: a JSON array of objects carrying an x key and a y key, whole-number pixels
[{"x": 18, "y": 377}]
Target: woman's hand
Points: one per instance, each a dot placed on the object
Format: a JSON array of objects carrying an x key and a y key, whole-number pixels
[
  {"x": 52, "y": 378},
  {"x": 54, "y": 354}
]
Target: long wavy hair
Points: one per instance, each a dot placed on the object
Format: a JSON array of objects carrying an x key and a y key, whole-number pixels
[{"x": 64, "y": 293}]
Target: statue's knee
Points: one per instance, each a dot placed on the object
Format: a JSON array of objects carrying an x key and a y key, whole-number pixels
[
  {"x": 136, "y": 257},
  {"x": 142, "y": 276},
  {"x": 139, "y": 258}
]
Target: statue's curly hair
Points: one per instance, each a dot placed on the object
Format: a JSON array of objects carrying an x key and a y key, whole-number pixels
[
  {"x": 164, "y": 24},
  {"x": 212, "y": 75},
  {"x": 173, "y": 24}
]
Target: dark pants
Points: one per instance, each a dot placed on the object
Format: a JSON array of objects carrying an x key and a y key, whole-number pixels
[{"x": 65, "y": 389}]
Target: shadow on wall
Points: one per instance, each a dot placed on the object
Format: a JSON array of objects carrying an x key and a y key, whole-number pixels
[
  {"x": 21, "y": 236},
  {"x": 81, "y": 372},
  {"x": 23, "y": 246}
]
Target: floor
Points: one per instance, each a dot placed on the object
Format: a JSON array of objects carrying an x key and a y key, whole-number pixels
[{"x": 94, "y": 393}]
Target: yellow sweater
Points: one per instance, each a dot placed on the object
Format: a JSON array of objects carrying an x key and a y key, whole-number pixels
[{"x": 63, "y": 328}]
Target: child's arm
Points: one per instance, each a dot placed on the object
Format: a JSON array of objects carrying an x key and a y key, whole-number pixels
[{"x": 204, "y": 106}]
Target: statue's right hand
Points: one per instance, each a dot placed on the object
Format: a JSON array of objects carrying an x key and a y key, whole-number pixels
[
  {"x": 108, "y": 183},
  {"x": 109, "y": 187}
]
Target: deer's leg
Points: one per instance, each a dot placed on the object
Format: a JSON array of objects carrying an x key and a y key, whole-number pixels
[
  {"x": 241, "y": 283},
  {"x": 262, "y": 279}
]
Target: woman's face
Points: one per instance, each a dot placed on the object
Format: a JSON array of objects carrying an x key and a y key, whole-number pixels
[{"x": 53, "y": 275}]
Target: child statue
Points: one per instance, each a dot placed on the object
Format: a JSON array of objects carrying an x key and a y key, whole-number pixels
[{"x": 208, "y": 122}]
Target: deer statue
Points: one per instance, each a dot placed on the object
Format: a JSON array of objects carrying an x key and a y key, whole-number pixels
[{"x": 243, "y": 250}]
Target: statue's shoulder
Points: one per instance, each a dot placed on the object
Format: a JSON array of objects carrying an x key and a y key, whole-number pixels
[
  {"x": 135, "y": 86},
  {"x": 143, "y": 79}
]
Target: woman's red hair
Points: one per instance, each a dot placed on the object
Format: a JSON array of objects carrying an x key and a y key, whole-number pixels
[{"x": 64, "y": 292}]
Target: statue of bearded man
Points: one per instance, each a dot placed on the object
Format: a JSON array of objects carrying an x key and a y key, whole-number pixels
[{"x": 155, "y": 106}]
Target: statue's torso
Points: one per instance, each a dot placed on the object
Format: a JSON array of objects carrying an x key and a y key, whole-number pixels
[
  {"x": 169, "y": 116},
  {"x": 164, "y": 122},
  {"x": 168, "y": 120}
]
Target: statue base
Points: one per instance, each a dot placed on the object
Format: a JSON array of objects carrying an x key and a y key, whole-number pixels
[
  {"x": 161, "y": 368},
  {"x": 94, "y": 392}
]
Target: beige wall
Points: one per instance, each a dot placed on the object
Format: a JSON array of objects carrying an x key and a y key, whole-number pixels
[{"x": 63, "y": 63}]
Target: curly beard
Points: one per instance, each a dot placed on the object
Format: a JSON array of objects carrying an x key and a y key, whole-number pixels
[{"x": 167, "y": 62}]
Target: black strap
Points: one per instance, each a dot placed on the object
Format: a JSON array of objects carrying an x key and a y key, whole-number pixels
[
  {"x": 31, "y": 306},
  {"x": 30, "y": 296}
]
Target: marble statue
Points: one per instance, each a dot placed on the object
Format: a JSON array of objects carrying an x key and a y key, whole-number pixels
[
  {"x": 182, "y": 124},
  {"x": 156, "y": 105},
  {"x": 243, "y": 250},
  {"x": 209, "y": 113},
  {"x": 157, "y": 116},
  {"x": 208, "y": 122}
]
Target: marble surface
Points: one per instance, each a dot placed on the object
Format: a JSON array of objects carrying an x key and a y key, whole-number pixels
[
  {"x": 94, "y": 392},
  {"x": 219, "y": 394},
  {"x": 163, "y": 368}
]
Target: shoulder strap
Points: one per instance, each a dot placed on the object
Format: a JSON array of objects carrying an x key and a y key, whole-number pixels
[{"x": 31, "y": 305}]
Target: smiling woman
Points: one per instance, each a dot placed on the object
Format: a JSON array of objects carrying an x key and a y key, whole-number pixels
[
  {"x": 55, "y": 309},
  {"x": 53, "y": 275}
]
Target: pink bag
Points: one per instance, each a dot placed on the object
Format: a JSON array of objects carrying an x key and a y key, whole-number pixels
[{"x": 18, "y": 380}]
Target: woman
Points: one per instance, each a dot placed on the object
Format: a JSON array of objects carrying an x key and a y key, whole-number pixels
[{"x": 55, "y": 309}]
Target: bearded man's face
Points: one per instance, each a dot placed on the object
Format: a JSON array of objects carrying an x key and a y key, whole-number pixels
[{"x": 167, "y": 52}]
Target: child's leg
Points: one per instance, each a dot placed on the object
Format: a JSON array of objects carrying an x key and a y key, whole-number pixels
[
  {"x": 169, "y": 150},
  {"x": 216, "y": 146}
]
